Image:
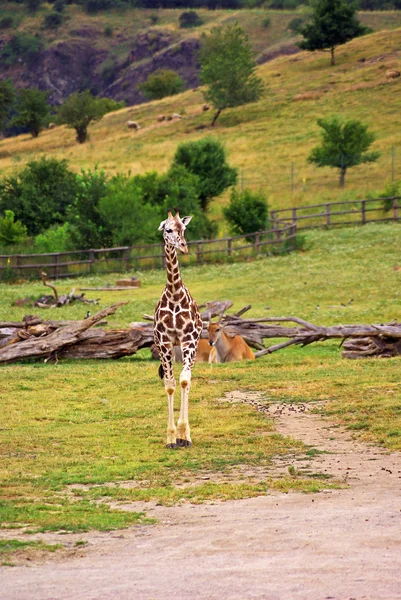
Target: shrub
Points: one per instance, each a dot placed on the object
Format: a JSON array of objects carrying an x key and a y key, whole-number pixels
[
  {"x": 59, "y": 6},
  {"x": 154, "y": 19},
  {"x": 108, "y": 31},
  {"x": 11, "y": 232},
  {"x": 391, "y": 189},
  {"x": 162, "y": 83},
  {"x": 21, "y": 45},
  {"x": 40, "y": 194},
  {"x": 53, "y": 20},
  {"x": 295, "y": 24},
  {"x": 32, "y": 110},
  {"x": 247, "y": 212},
  {"x": 266, "y": 22},
  {"x": 190, "y": 18},
  {"x": 88, "y": 228},
  {"x": 107, "y": 69},
  {"x": 55, "y": 239},
  {"x": 206, "y": 158},
  {"x": 6, "y": 22}
]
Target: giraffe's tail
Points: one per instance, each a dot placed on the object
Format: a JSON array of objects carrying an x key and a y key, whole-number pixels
[{"x": 161, "y": 371}]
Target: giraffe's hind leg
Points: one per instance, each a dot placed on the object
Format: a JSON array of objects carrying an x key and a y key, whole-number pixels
[{"x": 183, "y": 431}]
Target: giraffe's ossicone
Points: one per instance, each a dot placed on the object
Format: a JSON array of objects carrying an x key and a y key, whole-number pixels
[{"x": 177, "y": 323}]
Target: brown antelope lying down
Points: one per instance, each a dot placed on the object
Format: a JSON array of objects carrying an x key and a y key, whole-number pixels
[
  {"x": 228, "y": 349},
  {"x": 204, "y": 353}
]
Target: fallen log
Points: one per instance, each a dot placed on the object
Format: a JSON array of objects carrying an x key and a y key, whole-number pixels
[{"x": 48, "y": 344}]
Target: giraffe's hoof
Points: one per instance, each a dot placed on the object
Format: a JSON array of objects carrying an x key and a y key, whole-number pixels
[
  {"x": 183, "y": 443},
  {"x": 172, "y": 446}
]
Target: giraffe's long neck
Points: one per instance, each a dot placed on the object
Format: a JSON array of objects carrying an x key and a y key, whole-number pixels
[{"x": 174, "y": 281}]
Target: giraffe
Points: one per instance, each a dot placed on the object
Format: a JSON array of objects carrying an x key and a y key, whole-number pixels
[{"x": 177, "y": 322}]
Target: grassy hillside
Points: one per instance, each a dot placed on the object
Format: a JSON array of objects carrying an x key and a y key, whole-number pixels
[
  {"x": 77, "y": 422},
  {"x": 266, "y": 140}
]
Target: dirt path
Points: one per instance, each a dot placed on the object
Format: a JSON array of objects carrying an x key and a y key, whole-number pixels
[{"x": 342, "y": 544}]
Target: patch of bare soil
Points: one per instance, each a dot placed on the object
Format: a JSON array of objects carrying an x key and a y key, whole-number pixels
[{"x": 339, "y": 544}]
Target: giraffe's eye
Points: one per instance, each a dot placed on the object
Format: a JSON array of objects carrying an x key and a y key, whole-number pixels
[{"x": 168, "y": 230}]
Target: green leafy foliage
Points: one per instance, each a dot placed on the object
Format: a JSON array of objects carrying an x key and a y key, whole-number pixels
[
  {"x": 88, "y": 227},
  {"x": 7, "y": 97},
  {"x": 344, "y": 144},
  {"x": 22, "y": 46},
  {"x": 206, "y": 158},
  {"x": 11, "y": 232},
  {"x": 334, "y": 22},
  {"x": 228, "y": 69},
  {"x": 190, "y": 18},
  {"x": 162, "y": 83},
  {"x": 6, "y": 22},
  {"x": 40, "y": 194},
  {"x": 55, "y": 239},
  {"x": 53, "y": 20},
  {"x": 247, "y": 212},
  {"x": 80, "y": 110},
  {"x": 32, "y": 110},
  {"x": 295, "y": 24}
]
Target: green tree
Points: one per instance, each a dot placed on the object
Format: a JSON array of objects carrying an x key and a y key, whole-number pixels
[
  {"x": 162, "y": 83},
  {"x": 228, "y": 69},
  {"x": 344, "y": 144},
  {"x": 80, "y": 110},
  {"x": 7, "y": 97},
  {"x": 88, "y": 227},
  {"x": 334, "y": 22},
  {"x": 11, "y": 232},
  {"x": 40, "y": 194},
  {"x": 32, "y": 110},
  {"x": 206, "y": 158},
  {"x": 247, "y": 212}
]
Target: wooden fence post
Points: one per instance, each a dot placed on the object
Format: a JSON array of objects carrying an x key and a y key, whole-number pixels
[
  {"x": 328, "y": 215},
  {"x": 395, "y": 208},
  {"x": 127, "y": 258},
  {"x": 294, "y": 215},
  {"x": 57, "y": 266},
  {"x": 363, "y": 212},
  {"x": 257, "y": 243},
  {"x": 229, "y": 246},
  {"x": 92, "y": 259},
  {"x": 199, "y": 253}
]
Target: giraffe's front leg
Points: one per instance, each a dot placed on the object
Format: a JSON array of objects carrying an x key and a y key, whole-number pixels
[
  {"x": 166, "y": 357},
  {"x": 188, "y": 357}
]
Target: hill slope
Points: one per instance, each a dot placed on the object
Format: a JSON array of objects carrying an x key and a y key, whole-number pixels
[{"x": 267, "y": 140}]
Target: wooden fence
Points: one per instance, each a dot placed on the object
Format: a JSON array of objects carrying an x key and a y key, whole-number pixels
[
  {"x": 146, "y": 256},
  {"x": 353, "y": 212}
]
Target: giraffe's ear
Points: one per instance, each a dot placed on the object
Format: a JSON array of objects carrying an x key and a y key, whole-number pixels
[
  {"x": 185, "y": 220},
  {"x": 162, "y": 224}
]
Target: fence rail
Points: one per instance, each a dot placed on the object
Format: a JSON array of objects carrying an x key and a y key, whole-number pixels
[
  {"x": 280, "y": 239},
  {"x": 359, "y": 212}
]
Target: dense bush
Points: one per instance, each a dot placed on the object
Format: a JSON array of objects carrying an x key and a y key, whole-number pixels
[
  {"x": 161, "y": 83},
  {"x": 247, "y": 212},
  {"x": 295, "y": 24},
  {"x": 40, "y": 194},
  {"x": 53, "y": 20},
  {"x": 6, "y": 22},
  {"x": 55, "y": 239},
  {"x": 21, "y": 45},
  {"x": 206, "y": 158},
  {"x": 11, "y": 232},
  {"x": 32, "y": 110},
  {"x": 88, "y": 228},
  {"x": 190, "y": 18}
]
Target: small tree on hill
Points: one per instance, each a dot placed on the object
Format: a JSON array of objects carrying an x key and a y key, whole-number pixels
[
  {"x": 206, "y": 158},
  {"x": 228, "y": 69},
  {"x": 7, "y": 97},
  {"x": 247, "y": 212},
  {"x": 32, "y": 110},
  {"x": 344, "y": 145},
  {"x": 162, "y": 83},
  {"x": 81, "y": 110},
  {"x": 334, "y": 22}
]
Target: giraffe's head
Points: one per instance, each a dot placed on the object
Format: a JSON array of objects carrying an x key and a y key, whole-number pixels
[{"x": 173, "y": 230}]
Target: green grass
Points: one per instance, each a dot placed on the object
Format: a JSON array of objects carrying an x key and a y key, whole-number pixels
[
  {"x": 77, "y": 435},
  {"x": 10, "y": 547}
]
